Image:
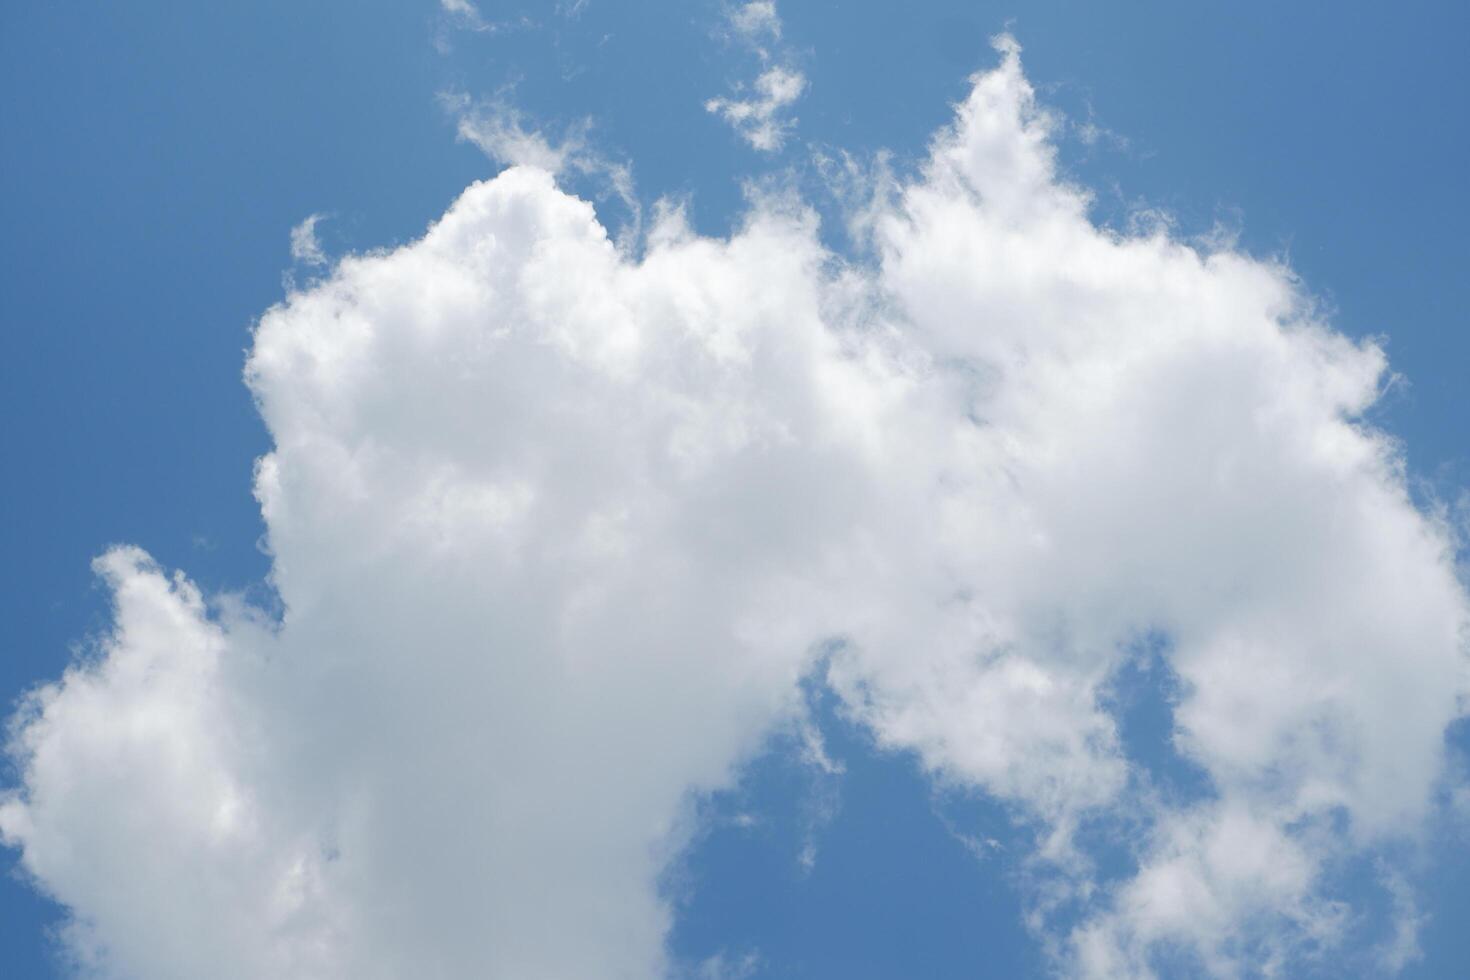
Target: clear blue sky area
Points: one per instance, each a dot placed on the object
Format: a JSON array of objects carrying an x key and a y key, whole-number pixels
[{"x": 154, "y": 157}]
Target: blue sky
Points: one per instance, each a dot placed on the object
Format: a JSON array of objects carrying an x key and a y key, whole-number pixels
[{"x": 158, "y": 156}]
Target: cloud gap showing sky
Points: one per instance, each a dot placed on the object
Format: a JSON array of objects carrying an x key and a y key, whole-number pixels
[{"x": 564, "y": 530}]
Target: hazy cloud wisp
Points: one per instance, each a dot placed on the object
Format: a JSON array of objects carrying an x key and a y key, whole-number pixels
[{"x": 758, "y": 110}]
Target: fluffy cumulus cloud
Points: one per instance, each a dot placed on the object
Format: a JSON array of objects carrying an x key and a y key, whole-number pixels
[{"x": 560, "y": 526}]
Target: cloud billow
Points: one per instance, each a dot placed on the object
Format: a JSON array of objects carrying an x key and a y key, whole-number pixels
[{"x": 558, "y": 532}]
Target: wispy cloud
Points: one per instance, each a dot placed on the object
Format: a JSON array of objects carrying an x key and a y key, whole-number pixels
[
  {"x": 502, "y": 133},
  {"x": 306, "y": 248},
  {"x": 466, "y": 14},
  {"x": 463, "y": 15},
  {"x": 757, "y": 110}
]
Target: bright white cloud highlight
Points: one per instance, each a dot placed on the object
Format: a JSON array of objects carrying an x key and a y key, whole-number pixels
[
  {"x": 757, "y": 110},
  {"x": 558, "y": 530}
]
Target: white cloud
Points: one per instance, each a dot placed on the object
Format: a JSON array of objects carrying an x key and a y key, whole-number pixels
[
  {"x": 305, "y": 246},
  {"x": 573, "y": 10},
  {"x": 1169, "y": 442},
  {"x": 1402, "y": 946},
  {"x": 722, "y": 966},
  {"x": 466, "y": 14},
  {"x": 558, "y": 531},
  {"x": 462, "y": 15},
  {"x": 757, "y": 111},
  {"x": 499, "y": 130},
  {"x": 756, "y": 21},
  {"x": 759, "y": 119},
  {"x": 501, "y": 133}
]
